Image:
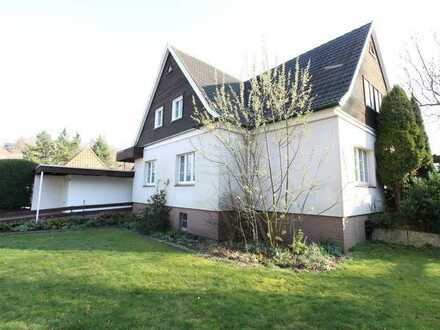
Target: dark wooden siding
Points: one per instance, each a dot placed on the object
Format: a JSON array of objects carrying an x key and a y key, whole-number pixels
[
  {"x": 171, "y": 85},
  {"x": 355, "y": 106}
]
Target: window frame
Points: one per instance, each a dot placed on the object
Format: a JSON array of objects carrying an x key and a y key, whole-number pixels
[
  {"x": 363, "y": 173},
  {"x": 183, "y": 219},
  {"x": 188, "y": 178},
  {"x": 372, "y": 96},
  {"x": 161, "y": 117},
  {"x": 151, "y": 176},
  {"x": 173, "y": 105}
]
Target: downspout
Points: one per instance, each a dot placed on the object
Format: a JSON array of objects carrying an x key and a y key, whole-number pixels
[{"x": 40, "y": 188}]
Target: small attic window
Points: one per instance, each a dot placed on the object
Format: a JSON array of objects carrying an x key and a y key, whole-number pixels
[
  {"x": 372, "y": 49},
  {"x": 170, "y": 68},
  {"x": 334, "y": 66}
]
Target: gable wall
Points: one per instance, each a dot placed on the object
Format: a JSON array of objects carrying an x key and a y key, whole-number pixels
[
  {"x": 355, "y": 105},
  {"x": 170, "y": 86}
]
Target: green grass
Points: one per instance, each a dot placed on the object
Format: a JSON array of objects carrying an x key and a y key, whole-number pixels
[{"x": 117, "y": 279}]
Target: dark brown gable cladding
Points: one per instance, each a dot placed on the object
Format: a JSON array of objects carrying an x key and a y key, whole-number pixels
[{"x": 172, "y": 84}]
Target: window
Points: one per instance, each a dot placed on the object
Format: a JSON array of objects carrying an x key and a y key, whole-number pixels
[
  {"x": 361, "y": 165},
  {"x": 373, "y": 98},
  {"x": 186, "y": 168},
  {"x": 177, "y": 110},
  {"x": 158, "y": 118},
  {"x": 150, "y": 173},
  {"x": 183, "y": 221},
  {"x": 372, "y": 49}
]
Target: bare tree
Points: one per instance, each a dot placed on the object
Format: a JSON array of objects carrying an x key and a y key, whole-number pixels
[
  {"x": 260, "y": 128},
  {"x": 423, "y": 71}
]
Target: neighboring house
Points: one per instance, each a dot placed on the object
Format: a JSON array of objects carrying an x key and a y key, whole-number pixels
[
  {"x": 349, "y": 81},
  {"x": 84, "y": 180},
  {"x": 10, "y": 153},
  {"x": 86, "y": 158}
]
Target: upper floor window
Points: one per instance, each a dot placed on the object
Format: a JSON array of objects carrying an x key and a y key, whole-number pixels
[
  {"x": 150, "y": 173},
  {"x": 158, "y": 118},
  {"x": 373, "y": 98},
  {"x": 177, "y": 108},
  {"x": 361, "y": 165},
  {"x": 186, "y": 168}
]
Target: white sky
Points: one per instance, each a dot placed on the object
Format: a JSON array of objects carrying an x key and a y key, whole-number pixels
[{"x": 89, "y": 66}]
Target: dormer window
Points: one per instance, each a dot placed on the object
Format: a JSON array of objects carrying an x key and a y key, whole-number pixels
[
  {"x": 177, "y": 108},
  {"x": 158, "y": 118}
]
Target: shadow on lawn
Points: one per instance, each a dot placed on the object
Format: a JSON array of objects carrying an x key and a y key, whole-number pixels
[{"x": 342, "y": 299}]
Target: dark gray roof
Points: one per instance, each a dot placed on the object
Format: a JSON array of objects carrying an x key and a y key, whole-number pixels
[
  {"x": 332, "y": 68},
  {"x": 63, "y": 170},
  {"x": 206, "y": 76}
]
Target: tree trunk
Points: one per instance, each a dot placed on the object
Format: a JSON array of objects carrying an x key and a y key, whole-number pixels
[{"x": 397, "y": 196}]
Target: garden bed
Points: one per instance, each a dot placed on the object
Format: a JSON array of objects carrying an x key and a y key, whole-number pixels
[{"x": 306, "y": 257}]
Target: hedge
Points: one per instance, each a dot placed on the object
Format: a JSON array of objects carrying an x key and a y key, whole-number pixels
[{"x": 16, "y": 180}]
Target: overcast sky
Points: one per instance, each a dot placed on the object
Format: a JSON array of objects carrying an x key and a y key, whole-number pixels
[{"x": 89, "y": 66}]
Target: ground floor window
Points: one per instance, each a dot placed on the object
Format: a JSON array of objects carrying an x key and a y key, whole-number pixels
[
  {"x": 183, "y": 221},
  {"x": 150, "y": 172},
  {"x": 361, "y": 165},
  {"x": 186, "y": 168}
]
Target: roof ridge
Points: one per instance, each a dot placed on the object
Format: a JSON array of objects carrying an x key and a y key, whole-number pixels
[
  {"x": 204, "y": 62},
  {"x": 316, "y": 48}
]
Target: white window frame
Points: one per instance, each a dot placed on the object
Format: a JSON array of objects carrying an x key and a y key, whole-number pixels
[
  {"x": 176, "y": 111},
  {"x": 158, "y": 111},
  {"x": 363, "y": 173},
  {"x": 150, "y": 174},
  {"x": 188, "y": 176}
]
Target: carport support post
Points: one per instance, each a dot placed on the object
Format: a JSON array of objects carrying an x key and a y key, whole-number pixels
[{"x": 40, "y": 188}]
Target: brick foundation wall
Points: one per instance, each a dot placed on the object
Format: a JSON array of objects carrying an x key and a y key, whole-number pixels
[
  {"x": 345, "y": 232},
  {"x": 318, "y": 228},
  {"x": 200, "y": 222},
  {"x": 354, "y": 231}
]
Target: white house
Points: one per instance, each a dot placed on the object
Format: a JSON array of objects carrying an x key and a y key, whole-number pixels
[{"x": 349, "y": 81}]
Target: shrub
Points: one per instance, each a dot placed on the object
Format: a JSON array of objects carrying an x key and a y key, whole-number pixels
[
  {"x": 387, "y": 220},
  {"x": 156, "y": 216},
  {"x": 119, "y": 220},
  {"x": 16, "y": 179},
  {"x": 421, "y": 208}
]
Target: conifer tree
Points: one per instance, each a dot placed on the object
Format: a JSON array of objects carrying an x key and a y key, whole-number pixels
[{"x": 397, "y": 142}]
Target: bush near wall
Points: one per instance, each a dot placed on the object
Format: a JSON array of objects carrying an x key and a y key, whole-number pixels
[
  {"x": 16, "y": 180},
  {"x": 420, "y": 209}
]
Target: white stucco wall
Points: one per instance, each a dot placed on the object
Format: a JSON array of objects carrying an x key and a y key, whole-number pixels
[
  {"x": 77, "y": 190},
  {"x": 54, "y": 193},
  {"x": 315, "y": 184},
  {"x": 89, "y": 190},
  {"x": 203, "y": 195},
  {"x": 317, "y": 163},
  {"x": 358, "y": 199}
]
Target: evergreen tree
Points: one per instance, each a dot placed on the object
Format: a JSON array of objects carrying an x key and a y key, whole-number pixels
[
  {"x": 397, "y": 142},
  {"x": 66, "y": 147},
  {"x": 43, "y": 152},
  {"x": 102, "y": 150},
  {"x": 423, "y": 142}
]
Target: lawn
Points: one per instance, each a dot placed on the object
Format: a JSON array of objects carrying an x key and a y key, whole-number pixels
[{"x": 110, "y": 278}]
